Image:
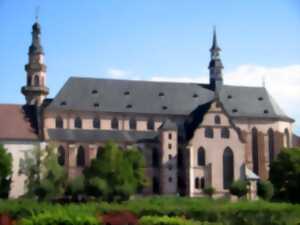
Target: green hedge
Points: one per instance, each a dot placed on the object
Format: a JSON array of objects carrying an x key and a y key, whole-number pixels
[
  {"x": 195, "y": 209},
  {"x": 166, "y": 220}
]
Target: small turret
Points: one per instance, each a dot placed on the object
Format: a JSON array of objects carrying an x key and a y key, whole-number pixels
[
  {"x": 215, "y": 65},
  {"x": 35, "y": 89}
]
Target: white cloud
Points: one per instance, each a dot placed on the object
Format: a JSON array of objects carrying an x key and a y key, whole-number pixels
[
  {"x": 117, "y": 73},
  {"x": 283, "y": 83}
]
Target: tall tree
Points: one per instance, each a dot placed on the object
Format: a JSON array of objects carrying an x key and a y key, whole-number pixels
[
  {"x": 116, "y": 174},
  {"x": 285, "y": 175},
  {"x": 5, "y": 172},
  {"x": 46, "y": 179}
]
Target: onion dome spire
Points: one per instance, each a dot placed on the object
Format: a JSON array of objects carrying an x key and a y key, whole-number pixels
[{"x": 36, "y": 47}]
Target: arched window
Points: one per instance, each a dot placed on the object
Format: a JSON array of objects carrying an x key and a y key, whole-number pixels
[
  {"x": 271, "y": 144},
  {"x": 155, "y": 185},
  {"x": 217, "y": 119},
  {"x": 78, "y": 123},
  {"x": 96, "y": 123},
  {"x": 80, "y": 158},
  {"x": 99, "y": 151},
  {"x": 287, "y": 138},
  {"x": 61, "y": 157},
  {"x": 201, "y": 157},
  {"x": 36, "y": 81},
  {"x": 59, "y": 123},
  {"x": 255, "y": 150},
  {"x": 225, "y": 133},
  {"x": 132, "y": 124},
  {"x": 202, "y": 182},
  {"x": 114, "y": 123},
  {"x": 155, "y": 158},
  {"x": 209, "y": 132},
  {"x": 228, "y": 168},
  {"x": 150, "y": 124},
  {"x": 197, "y": 183}
]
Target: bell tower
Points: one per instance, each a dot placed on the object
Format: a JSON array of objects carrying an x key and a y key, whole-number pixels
[{"x": 35, "y": 89}]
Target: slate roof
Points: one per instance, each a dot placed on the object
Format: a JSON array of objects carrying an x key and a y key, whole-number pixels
[
  {"x": 168, "y": 125},
  {"x": 102, "y": 135},
  {"x": 165, "y": 98},
  {"x": 18, "y": 122}
]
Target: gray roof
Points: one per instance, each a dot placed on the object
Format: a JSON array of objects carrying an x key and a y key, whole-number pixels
[
  {"x": 167, "y": 98},
  {"x": 102, "y": 135},
  {"x": 168, "y": 125}
]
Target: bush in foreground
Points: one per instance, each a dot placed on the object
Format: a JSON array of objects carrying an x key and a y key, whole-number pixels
[
  {"x": 239, "y": 188},
  {"x": 265, "y": 190}
]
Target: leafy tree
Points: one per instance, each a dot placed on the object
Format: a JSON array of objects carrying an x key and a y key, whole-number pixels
[
  {"x": 239, "y": 188},
  {"x": 116, "y": 174},
  {"x": 285, "y": 175},
  {"x": 75, "y": 187},
  {"x": 209, "y": 191},
  {"x": 5, "y": 172},
  {"x": 45, "y": 177},
  {"x": 265, "y": 189}
]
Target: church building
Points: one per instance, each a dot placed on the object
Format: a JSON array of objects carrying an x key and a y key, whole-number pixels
[{"x": 192, "y": 135}]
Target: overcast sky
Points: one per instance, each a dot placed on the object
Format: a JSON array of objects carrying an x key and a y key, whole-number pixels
[{"x": 156, "y": 40}]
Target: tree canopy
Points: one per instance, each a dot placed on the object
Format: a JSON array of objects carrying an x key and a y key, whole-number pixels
[
  {"x": 5, "y": 172},
  {"x": 285, "y": 175},
  {"x": 116, "y": 174}
]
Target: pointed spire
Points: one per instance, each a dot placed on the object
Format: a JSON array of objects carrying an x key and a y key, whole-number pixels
[{"x": 215, "y": 64}]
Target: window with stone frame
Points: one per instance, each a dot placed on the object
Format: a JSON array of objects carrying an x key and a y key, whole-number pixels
[
  {"x": 96, "y": 123},
  {"x": 115, "y": 123},
  {"x": 209, "y": 132},
  {"x": 201, "y": 156},
  {"x": 150, "y": 124},
  {"x": 78, "y": 123},
  {"x": 80, "y": 157},
  {"x": 228, "y": 168},
  {"x": 197, "y": 183},
  {"x": 59, "y": 123},
  {"x": 225, "y": 132},
  {"x": 132, "y": 124}
]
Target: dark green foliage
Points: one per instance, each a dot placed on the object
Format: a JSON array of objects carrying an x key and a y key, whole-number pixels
[
  {"x": 239, "y": 188},
  {"x": 196, "y": 209},
  {"x": 285, "y": 175},
  {"x": 116, "y": 174},
  {"x": 209, "y": 191},
  {"x": 75, "y": 187},
  {"x": 46, "y": 179},
  {"x": 265, "y": 190},
  {"x": 5, "y": 172},
  {"x": 166, "y": 220}
]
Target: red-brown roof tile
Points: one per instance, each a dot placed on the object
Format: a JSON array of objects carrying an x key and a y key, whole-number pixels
[{"x": 17, "y": 122}]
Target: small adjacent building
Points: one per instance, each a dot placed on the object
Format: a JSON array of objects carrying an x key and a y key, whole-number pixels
[{"x": 192, "y": 135}]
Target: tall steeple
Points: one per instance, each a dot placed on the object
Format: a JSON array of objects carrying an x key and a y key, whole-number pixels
[
  {"x": 215, "y": 65},
  {"x": 35, "y": 89}
]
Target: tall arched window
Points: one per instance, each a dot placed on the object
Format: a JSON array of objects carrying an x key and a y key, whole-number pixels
[
  {"x": 132, "y": 124},
  {"x": 96, "y": 123},
  {"x": 225, "y": 133},
  {"x": 197, "y": 183},
  {"x": 255, "y": 150},
  {"x": 155, "y": 185},
  {"x": 78, "y": 123},
  {"x": 59, "y": 123},
  {"x": 80, "y": 158},
  {"x": 150, "y": 124},
  {"x": 155, "y": 157},
  {"x": 201, "y": 157},
  {"x": 202, "y": 182},
  {"x": 209, "y": 132},
  {"x": 287, "y": 138},
  {"x": 99, "y": 151},
  {"x": 271, "y": 144},
  {"x": 228, "y": 168},
  {"x": 114, "y": 123},
  {"x": 36, "y": 81},
  {"x": 217, "y": 119},
  {"x": 61, "y": 157}
]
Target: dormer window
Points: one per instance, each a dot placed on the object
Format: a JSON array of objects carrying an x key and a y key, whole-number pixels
[
  {"x": 229, "y": 96},
  {"x": 161, "y": 94},
  {"x": 266, "y": 111},
  {"x": 126, "y": 93},
  {"x": 94, "y": 91},
  {"x": 165, "y": 107},
  {"x": 63, "y": 103}
]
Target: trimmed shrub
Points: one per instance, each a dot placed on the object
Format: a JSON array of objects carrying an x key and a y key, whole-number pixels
[
  {"x": 166, "y": 220},
  {"x": 265, "y": 190},
  {"x": 209, "y": 191},
  {"x": 239, "y": 188}
]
